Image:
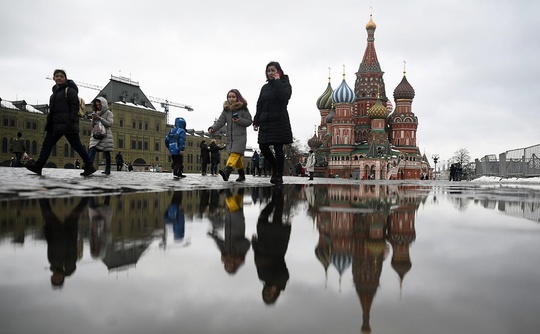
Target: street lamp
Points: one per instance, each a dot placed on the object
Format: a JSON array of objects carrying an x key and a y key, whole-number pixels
[{"x": 435, "y": 158}]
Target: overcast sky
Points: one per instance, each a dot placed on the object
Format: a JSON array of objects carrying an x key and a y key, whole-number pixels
[{"x": 473, "y": 64}]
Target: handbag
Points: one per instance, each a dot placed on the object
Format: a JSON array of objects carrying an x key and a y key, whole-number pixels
[{"x": 98, "y": 130}]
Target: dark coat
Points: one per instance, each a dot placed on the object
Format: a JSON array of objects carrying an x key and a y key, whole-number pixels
[
  {"x": 272, "y": 116},
  {"x": 63, "y": 116},
  {"x": 205, "y": 153},
  {"x": 215, "y": 157}
]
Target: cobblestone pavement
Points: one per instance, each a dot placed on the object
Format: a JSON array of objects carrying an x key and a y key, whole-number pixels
[{"x": 21, "y": 183}]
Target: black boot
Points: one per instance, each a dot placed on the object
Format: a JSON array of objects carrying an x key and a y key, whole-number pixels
[
  {"x": 225, "y": 172},
  {"x": 241, "y": 175},
  {"x": 34, "y": 166},
  {"x": 88, "y": 170},
  {"x": 107, "y": 170},
  {"x": 277, "y": 177}
]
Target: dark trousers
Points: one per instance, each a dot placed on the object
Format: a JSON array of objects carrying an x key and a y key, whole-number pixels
[
  {"x": 278, "y": 161},
  {"x": 18, "y": 158},
  {"x": 52, "y": 138},
  {"x": 204, "y": 164},
  {"x": 178, "y": 164},
  {"x": 119, "y": 166},
  {"x": 214, "y": 168},
  {"x": 92, "y": 155}
]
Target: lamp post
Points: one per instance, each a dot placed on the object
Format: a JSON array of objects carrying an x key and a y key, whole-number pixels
[{"x": 435, "y": 158}]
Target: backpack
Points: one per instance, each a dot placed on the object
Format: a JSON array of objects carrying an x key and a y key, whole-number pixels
[
  {"x": 82, "y": 105},
  {"x": 98, "y": 130}
]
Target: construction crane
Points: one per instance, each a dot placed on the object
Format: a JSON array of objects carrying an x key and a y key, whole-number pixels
[{"x": 165, "y": 104}]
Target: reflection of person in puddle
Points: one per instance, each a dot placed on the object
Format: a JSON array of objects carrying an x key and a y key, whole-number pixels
[
  {"x": 234, "y": 246},
  {"x": 61, "y": 239},
  {"x": 270, "y": 245},
  {"x": 100, "y": 216},
  {"x": 175, "y": 216}
]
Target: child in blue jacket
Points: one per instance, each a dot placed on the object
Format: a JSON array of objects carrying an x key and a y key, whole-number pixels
[{"x": 175, "y": 141}]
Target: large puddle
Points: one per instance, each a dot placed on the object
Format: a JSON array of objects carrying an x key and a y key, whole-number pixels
[{"x": 295, "y": 259}]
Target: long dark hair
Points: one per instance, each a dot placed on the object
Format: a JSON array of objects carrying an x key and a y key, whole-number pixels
[{"x": 276, "y": 65}]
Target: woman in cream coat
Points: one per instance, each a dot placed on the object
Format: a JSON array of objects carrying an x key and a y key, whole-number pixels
[{"x": 106, "y": 145}]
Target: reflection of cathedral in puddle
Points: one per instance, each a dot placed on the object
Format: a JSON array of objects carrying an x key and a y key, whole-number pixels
[{"x": 357, "y": 225}]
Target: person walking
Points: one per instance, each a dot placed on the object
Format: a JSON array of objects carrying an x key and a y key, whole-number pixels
[
  {"x": 103, "y": 142},
  {"x": 62, "y": 120},
  {"x": 205, "y": 157},
  {"x": 255, "y": 160},
  {"x": 119, "y": 161},
  {"x": 175, "y": 141},
  {"x": 215, "y": 157},
  {"x": 272, "y": 119},
  {"x": 236, "y": 117},
  {"x": 310, "y": 164},
  {"x": 17, "y": 147}
]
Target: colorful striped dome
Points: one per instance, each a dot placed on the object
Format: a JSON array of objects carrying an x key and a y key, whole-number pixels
[
  {"x": 343, "y": 94},
  {"x": 325, "y": 100}
]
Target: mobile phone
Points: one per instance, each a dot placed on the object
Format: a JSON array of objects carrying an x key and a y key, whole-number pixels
[{"x": 235, "y": 115}]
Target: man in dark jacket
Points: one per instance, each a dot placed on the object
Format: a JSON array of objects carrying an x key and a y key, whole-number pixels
[
  {"x": 119, "y": 161},
  {"x": 18, "y": 147},
  {"x": 62, "y": 120},
  {"x": 205, "y": 157}
]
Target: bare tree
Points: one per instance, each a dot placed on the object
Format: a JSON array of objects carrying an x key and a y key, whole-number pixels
[{"x": 462, "y": 156}]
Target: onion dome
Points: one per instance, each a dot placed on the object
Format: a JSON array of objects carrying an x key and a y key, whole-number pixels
[
  {"x": 404, "y": 90},
  {"x": 378, "y": 110},
  {"x": 314, "y": 142},
  {"x": 371, "y": 25},
  {"x": 325, "y": 100},
  {"x": 343, "y": 94}
]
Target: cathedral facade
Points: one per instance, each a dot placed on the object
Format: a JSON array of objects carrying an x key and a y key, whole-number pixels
[{"x": 361, "y": 135}]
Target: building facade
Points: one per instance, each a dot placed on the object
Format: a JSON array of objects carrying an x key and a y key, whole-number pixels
[
  {"x": 139, "y": 130},
  {"x": 360, "y": 135}
]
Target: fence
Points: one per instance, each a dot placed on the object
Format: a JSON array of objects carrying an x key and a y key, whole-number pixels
[{"x": 522, "y": 162}]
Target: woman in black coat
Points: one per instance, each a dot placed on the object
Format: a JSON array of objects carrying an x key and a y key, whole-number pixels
[{"x": 272, "y": 119}]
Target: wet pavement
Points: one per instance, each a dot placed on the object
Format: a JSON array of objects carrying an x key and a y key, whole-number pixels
[{"x": 143, "y": 253}]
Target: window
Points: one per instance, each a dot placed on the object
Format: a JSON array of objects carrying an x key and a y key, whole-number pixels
[
  {"x": 146, "y": 126},
  {"x": 139, "y": 145},
  {"x": 134, "y": 125},
  {"x": 66, "y": 150},
  {"x": 133, "y": 145},
  {"x": 157, "y": 146},
  {"x": 120, "y": 143},
  {"x": 121, "y": 123},
  {"x": 145, "y": 146}
]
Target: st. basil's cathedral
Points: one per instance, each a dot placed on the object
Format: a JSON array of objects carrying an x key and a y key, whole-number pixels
[{"x": 359, "y": 135}]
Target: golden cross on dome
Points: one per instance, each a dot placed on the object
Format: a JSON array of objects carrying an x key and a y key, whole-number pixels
[{"x": 404, "y": 64}]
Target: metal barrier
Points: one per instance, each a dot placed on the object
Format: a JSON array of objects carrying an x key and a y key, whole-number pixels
[{"x": 523, "y": 162}]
